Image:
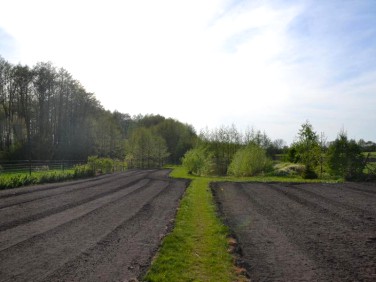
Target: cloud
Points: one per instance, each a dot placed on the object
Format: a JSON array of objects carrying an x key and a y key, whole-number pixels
[
  {"x": 7, "y": 45},
  {"x": 267, "y": 64}
]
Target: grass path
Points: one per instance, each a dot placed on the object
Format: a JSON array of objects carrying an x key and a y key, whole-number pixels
[{"x": 196, "y": 250}]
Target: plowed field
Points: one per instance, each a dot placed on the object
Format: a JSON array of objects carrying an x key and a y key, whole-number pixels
[
  {"x": 303, "y": 232},
  {"x": 103, "y": 229}
]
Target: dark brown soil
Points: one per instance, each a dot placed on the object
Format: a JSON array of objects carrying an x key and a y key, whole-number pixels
[
  {"x": 103, "y": 229},
  {"x": 302, "y": 232}
]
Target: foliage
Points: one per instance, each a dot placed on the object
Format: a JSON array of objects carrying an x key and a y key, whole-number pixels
[
  {"x": 248, "y": 161},
  {"x": 46, "y": 114},
  {"x": 345, "y": 158},
  {"x": 95, "y": 165},
  {"x": 288, "y": 169},
  {"x": 22, "y": 179},
  {"x": 83, "y": 171},
  {"x": 368, "y": 146},
  {"x": 306, "y": 150},
  {"x": 181, "y": 172},
  {"x": 198, "y": 161},
  {"x": 178, "y": 137},
  {"x": 225, "y": 141},
  {"x": 103, "y": 165},
  {"x": 309, "y": 173},
  {"x": 145, "y": 149}
]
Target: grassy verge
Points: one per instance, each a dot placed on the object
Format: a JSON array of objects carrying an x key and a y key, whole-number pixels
[
  {"x": 181, "y": 172},
  {"x": 197, "y": 248}
]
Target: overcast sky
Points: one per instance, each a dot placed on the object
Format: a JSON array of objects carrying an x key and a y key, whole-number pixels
[{"x": 270, "y": 65}]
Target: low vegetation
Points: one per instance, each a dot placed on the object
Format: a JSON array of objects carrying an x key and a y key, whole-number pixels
[
  {"x": 13, "y": 180},
  {"x": 249, "y": 161},
  {"x": 229, "y": 152},
  {"x": 93, "y": 167}
]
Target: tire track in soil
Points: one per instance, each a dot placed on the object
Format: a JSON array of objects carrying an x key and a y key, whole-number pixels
[
  {"x": 44, "y": 253},
  {"x": 327, "y": 239},
  {"x": 24, "y": 213}
]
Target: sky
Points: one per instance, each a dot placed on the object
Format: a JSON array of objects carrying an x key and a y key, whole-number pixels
[{"x": 267, "y": 65}]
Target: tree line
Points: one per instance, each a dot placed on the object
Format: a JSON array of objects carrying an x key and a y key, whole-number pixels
[
  {"x": 46, "y": 114},
  {"x": 227, "y": 151}
]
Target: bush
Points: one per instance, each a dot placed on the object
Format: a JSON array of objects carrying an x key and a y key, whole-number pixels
[
  {"x": 198, "y": 161},
  {"x": 101, "y": 165},
  {"x": 19, "y": 180},
  {"x": 249, "y": 161},
  {"x": 309, "y": 173},
  {"x": 288, "y": 169},
  {"x": 83, "y": 171},
  {"x": 345, "y": 158}
]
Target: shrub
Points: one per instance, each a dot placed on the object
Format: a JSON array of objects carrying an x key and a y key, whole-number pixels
[
  {"x": 288, "y": 169},
  {"x": 83, "y": 171},
  {"x": 309, "y": 173},
  {"x": 120, "y": 165},
  {"x": 249, "y": 161},
  {"x": 198, "y": 161},
  {"x": 345, "y": 158},
  {"x": 100, "y": 165}
]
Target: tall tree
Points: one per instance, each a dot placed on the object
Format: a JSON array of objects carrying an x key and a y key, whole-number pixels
[
  {"x": 23, "y": 77},
  {"x": 307, "y": 149},
  {"x": 44, "y": 87},
  {"x": 345, "y": 157}
]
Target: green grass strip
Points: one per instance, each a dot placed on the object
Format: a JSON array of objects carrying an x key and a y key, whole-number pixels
[{"x": 196, "y": 250}]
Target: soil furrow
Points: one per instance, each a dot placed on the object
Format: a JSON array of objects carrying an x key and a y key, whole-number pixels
[
  {"x": 337, "y": 211},
  {"x": 322, "y": 230},
  {"x": 263, "y": 244},
  {"x": 105, "y": 261},
  {"x": 335, "y": 194},
  {"x": 364, "y": 189},
  {"x": 326, "y": 235},
  {"x": 71, "y": 238},
  {"x": 11, "y": 193},
  {"x": 58, "y": 190},
  {"x": 27, "y": 231},
  {"x": 23, "y": 213}
]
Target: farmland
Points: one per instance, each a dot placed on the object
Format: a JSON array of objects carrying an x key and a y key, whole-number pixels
[
  {"x": 302, "y": 232},
  {"x": 101, "y": 229}
]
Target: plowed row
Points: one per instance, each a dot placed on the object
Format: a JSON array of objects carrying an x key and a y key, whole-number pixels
[
  {"x": 305, "y": 232},
  {"x": 103, "y": 229}
]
